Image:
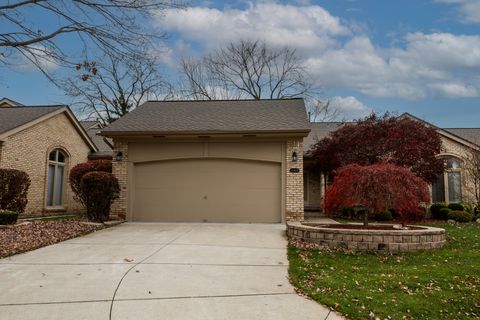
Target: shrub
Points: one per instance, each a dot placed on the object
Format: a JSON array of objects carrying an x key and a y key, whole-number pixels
[
  {"x": 14, "y": 186},
  {"x": 378, "y": 187},
  {"x": 383, "y": 216},
  {"x": 443, "y": 214},
  {"x": 78, "y": 171},
  {"x": 435, "y": 209},
  {"x": 476, "y": 213},
  {"x": 99, "y": 189},
  {"x": 460, "y": 216},
  {"x": 456, "y": 206},
  {"x": 8, "y": 217}
]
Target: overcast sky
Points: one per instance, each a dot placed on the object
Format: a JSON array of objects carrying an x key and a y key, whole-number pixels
[{"x": 417, "y": 56}]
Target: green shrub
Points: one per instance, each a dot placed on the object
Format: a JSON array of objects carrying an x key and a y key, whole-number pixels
[
  {"x": 467, "y": 207},
  {"x": 457, "y": 206},
  {"x": 435, "y": 209},
  {"x": 443, "y": 214},
  {"x": 476, "y": 213},
  {"x": 8, "y": 217},
  {"x": 460, "y": 216},
  {"x": 99, "y": 189},
  {"x": 383, "y": 216},
  {"x": 14, "y": 186}
]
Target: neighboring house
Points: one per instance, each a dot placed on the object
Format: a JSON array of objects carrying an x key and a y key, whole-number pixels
[
  {"x": 450, "y": 187},
  {"x": 46, "y": 142},
  {"x": 210, "y": 161},
  {"x": 103, "y": 144}
]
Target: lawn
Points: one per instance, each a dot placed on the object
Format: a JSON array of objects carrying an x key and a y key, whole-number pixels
[{"x": 441, "y": 284}]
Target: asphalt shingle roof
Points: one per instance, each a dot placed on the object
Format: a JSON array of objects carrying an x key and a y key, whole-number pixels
[
  {"x": 12, "y": 117},
  {"x": 322, "y": 129},
  {"x": 92, "y": 128},
  {"x": 470, "y": 134},
  {"x": 222, "y": 116}
]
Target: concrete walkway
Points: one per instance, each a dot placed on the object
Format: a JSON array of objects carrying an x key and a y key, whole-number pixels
[{"x": 157, "y": 271}]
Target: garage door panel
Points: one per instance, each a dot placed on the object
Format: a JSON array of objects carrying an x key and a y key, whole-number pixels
[{"x": 214, "y": 190}]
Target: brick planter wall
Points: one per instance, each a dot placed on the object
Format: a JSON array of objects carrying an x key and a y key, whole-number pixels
[{"x": 369, "y": 240}]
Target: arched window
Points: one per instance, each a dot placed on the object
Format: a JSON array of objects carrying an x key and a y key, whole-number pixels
[
  {"x": 448, "y": 187},
  {"x": 57, "y": 161}
]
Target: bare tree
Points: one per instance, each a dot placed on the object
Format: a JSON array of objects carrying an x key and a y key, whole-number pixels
[
  {"x": 246, "y": 69},
  {"x": 198, "y": 83},
  {"x": 116, "y": 27},
  {"x": 113, "y": 87},
  {"x": 321, "y": 111},
  {"x": 472, "y": 170}
]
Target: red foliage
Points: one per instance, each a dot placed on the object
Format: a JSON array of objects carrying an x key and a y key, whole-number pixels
[
  {"x": 78, "y": 171},
  {"x": 377, "y": 188},
  {"x": 99, "y": 189},
  {"x": 14, "y": 186},
  {"x": 402, "y": 141}
]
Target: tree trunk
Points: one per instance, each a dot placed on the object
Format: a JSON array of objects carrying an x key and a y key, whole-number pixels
[{"x": 365, "y": 218}]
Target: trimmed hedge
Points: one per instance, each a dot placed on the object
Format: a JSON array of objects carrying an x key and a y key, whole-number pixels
[
  {"x": 435, "y": 210},
  {"x": 14, "y": 186},
  {"x": 78, "y": 171},
  {"x": 444, "y": 212},
  {"x": 8, "y": 217},
  {"x": 99, "y": 189},
  {"x": 460, "y": 216},
  {"x": 383, "y": 216},
  {"x": 457, "y": 206}
]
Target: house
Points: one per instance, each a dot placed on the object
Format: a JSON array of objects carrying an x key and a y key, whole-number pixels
[
  {"x": 210, "y": 161},
  {"x": 45, "y": 142},
  {"x": 451, "y": 186},
  {"x": 237, "y": 161}
]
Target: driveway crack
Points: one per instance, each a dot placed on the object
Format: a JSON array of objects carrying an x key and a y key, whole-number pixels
[{"x": 139, "y": 262}]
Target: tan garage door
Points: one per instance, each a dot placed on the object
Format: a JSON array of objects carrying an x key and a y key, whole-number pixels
[{"x": 207, "y": 190}]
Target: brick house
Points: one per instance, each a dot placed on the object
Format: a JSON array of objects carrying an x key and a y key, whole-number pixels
[
  {"x": 451, "y": 186},
  {"x": 215, "y": 161},
  {"x": 45, "y": 142}
]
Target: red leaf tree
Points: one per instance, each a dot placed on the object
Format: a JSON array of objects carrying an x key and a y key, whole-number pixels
[
  {"x": 400, "y": 140},
  {"x": 377, "y": 188}
]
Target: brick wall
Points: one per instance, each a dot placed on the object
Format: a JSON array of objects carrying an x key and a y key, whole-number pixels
[
  {"x": 120, "y": 170},
  {"x": 28, "y": 150},
  {"x": 451, "y": 147},
  {"x": 294, "y": 182}
]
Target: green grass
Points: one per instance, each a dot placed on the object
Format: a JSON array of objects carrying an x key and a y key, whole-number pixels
[{"x": 440, "y": 284}]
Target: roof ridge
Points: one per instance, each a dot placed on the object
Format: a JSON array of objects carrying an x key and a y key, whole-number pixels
[
  {"x": 219, "y": 100},
  {"x": 36, "y": 106},
  {"x": 462, "y": 128}
]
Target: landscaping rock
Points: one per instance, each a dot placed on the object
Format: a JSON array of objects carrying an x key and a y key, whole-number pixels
[
  {"x": 30, "y": 235},
  {"x": 451, "y": 221}
]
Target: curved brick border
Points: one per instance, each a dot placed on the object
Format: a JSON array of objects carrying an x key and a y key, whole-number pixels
[{"x": 369, "y": 240}]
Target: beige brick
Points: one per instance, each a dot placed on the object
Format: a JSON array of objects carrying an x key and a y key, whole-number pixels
[{"x": 28, "y": 150}]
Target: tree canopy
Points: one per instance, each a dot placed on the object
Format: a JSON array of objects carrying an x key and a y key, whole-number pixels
[
  {"x": 387, "y": 139},
  {"x": 378, "y": 187}
]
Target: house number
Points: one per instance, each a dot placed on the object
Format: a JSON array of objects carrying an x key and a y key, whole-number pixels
[{"x": 294, "y": 170}]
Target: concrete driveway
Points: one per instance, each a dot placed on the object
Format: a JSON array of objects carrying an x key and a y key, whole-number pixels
[{"x": 157, "y": 271}]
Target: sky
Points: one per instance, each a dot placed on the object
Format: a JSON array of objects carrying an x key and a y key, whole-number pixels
[{"x": 416, "y": 56}]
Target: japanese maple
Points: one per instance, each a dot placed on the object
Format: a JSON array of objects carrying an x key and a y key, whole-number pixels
[
  {"x": 400, "y": 140},
  {"x": 377, "y": 188}
]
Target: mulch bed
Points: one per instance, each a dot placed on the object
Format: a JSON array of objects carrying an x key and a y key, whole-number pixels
[
  {"x": 362, "y": 227},
  {"x": 31, "y": 235}
]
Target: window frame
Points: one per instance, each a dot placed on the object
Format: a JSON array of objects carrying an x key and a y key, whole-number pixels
[
  {"x": 56, "y": 164},
  {"x": 445, "y": 174}
]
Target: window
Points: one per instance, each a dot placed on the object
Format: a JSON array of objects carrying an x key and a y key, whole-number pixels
[
  {"x": 448, "y": 187},
  {"x": 56, "y": 177}
]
